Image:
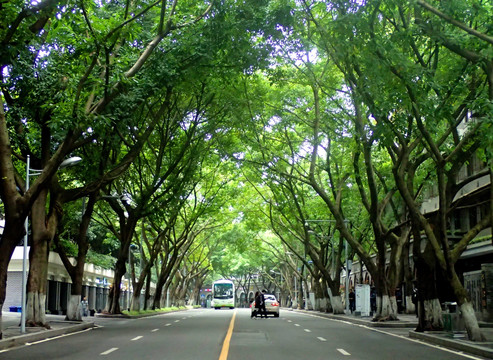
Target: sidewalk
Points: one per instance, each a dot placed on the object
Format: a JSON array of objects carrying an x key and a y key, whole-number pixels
[
  {"x": 407, "y": 323},
  {"x": 58, "y": 326}
]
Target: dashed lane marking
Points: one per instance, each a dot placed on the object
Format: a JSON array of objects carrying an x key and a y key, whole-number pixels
[
  {"x": 154, "y": 330},
  {"x": 343, "y": 352},
  {"x": 177, "y": 320},
  {"x": 296, "y": 324},
  {"x": 109, "y": 351},
  {"x": 137, "y": 338},
  {"x": 469, "y": 356},
  {"x": 168, "y": 324},
  {"x": 307, "y": 330},
  {"x": 321, "y": 338}
]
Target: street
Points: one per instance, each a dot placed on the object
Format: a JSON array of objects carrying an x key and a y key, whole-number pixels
[{"x": 203, "y": 334}]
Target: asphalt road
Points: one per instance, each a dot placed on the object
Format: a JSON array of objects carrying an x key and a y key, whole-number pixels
[{"x": 203, "y": 334}]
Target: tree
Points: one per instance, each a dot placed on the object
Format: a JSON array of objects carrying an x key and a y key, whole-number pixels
[
  {"x": 422, "y": 84},
  {"x": 31, "y": 27}
]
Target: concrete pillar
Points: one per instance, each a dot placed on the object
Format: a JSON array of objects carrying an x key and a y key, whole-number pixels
[
  {"x": 57, "y": 294},
  {"x": 106, "y": 292},
  {"x": 92, "y": 297},
  {"x": 99, "y": 299}
]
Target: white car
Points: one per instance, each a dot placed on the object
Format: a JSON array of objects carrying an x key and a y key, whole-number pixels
[{"x": 271, "y": 305}]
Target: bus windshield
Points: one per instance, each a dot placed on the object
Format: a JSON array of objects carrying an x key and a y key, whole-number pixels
[{"x": 223, "y": 291}]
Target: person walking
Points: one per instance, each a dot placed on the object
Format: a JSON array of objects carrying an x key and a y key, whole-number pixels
[
  {"x": 414, "y": 299},
  {"x": 352, "y": 301},
  {"x": 256, "y": 301},
  {"x": 261, "y": 307},
  {"x": 85, "y": 307}
]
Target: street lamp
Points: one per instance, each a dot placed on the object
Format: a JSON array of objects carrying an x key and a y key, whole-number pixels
[{"x": 33, "y": 172}]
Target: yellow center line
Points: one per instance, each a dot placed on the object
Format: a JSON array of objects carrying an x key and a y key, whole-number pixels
[{"x": 227, "y": 340}]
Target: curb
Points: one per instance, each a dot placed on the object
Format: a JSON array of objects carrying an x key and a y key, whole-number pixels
[
  {"x": 126, "y": 316},
  {"x": 44, "y": 334},
  {"x": 364, "y": 321},
  {"x": 468, "y": 347},
  {"x": 376, "y": 324},
  {"x": 70, "y": 327}
]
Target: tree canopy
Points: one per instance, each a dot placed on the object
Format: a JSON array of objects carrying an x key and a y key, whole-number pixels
[{"x": 227, "y": 139}]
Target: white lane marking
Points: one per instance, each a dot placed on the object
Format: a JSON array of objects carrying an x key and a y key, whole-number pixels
[
  {"x": 184, "y": 318},
  {"x": 398, "y": 336},
  {"x": 296, "y": 324},
  {"x": 343, "y": 352},
  {"x": 307, "y": 330},
  {"x": 321, "y": 338},
  {"x": 168, "y": 324},
  {"x": 137, "y": 338},
  {"x": 424, "y": 343},
  {"x": 177, "y": 320},
  {"x": 55, "y": 337},
  {"x": 154, "y": 330},
  {"x": 290, "y": 320},
  {"x": 108, "y": 351}
]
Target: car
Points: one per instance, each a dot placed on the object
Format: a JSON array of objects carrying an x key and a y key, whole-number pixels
[{"x": 271, "y": 305}]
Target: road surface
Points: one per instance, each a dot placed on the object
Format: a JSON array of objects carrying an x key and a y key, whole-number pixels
[{"x": 208, "y": 334}]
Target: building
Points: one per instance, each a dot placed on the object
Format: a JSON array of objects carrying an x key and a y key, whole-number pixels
[{"x": 96, "y": 284}]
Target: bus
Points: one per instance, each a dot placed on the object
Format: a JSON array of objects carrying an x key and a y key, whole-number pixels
[{"x": 223, "y": 294}]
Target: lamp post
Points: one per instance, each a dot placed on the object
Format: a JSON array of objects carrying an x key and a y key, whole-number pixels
[
  {"x": 24, "y": 252},
  {"x": 33, "y": 172}
]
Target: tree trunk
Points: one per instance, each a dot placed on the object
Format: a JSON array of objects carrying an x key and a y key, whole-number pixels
[
  {"x": 38, "y": 268},
  {"x": 166, "y": 269},
  {"x": 471, "y": 323},
  {"x": 113, "y": 304},
  {"x": 158, "y": 294},
  {"x": 432, "y": 314},
  {"x": 408, "y": 280},
  {"x": 147, "y": 295},
  {"x": 195, "y": 296},
  {"x": 76, "y": 271},
  {"x": 337, "y": 306},
  {"x": 410, "y": 307},
  {"x": 319, "y": 294},
  {"x": 429, "y": 309},
  {"x": 135, "y": 305},
  {"x": 386, "y": 308},
  {"x": 76, "y": 274},
  {"x": 8, "y": 242},
  {"x": 74, "y": 308},
  {"x": 35, "y": 311},
  {"x": 467, "y": 310}
]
